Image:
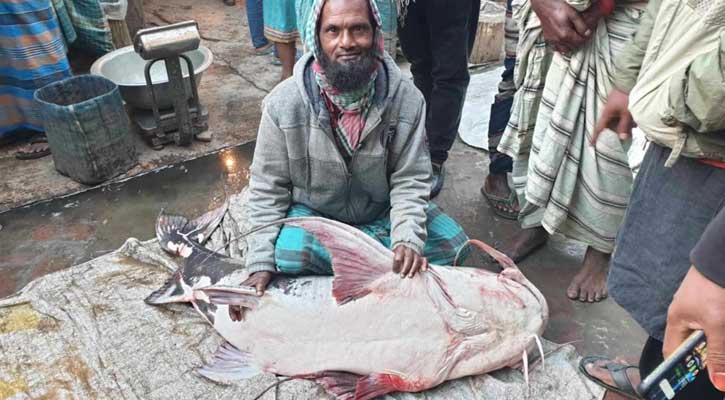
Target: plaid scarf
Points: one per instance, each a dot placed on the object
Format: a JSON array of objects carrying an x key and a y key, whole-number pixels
[{"x": 348, "y": 110}]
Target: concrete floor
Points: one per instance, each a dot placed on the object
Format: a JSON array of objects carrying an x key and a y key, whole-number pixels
[
  {"x": 232, "y": 89},
  {"x": 54, "y": 234}
]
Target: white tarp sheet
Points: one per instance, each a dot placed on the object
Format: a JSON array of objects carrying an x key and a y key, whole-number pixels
[{"x": 85, "y": 333}]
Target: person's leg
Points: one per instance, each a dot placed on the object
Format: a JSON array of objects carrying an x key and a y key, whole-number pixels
[
  {"x": 280, "y": 26},
  {"x": 298, "y": 252},
  {"x": 286, "y": 53},
  {"x": 496, "y": 187},
  {"x": 413, "y": 36},
  {"x": 668, "y": 212},
  {"x": 449, "y": 29},
  {"x": 525, "y": 242},
  {"x": 255, "y": 20},
  {"x": 590, "y": 283},
  {"x": 446, "y": 238}
]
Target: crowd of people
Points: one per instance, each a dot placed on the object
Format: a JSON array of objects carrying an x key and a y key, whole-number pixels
[{"x": 348, "y": 139}]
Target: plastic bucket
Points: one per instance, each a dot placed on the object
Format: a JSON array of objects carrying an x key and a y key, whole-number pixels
[{"x": 87, "y": 127}]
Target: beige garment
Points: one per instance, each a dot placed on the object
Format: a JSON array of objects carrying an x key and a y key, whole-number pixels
[
  {"x": 564, "y": 184},
  {"x": 679, "y": 95}
]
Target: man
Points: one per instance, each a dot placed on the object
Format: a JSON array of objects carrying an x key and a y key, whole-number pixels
[
  {"x": 437, "y": 37},
  {"x": 564, "y": 185},
  {"x": 345, "y": 139},
  {"x": 671, "y": 79}
]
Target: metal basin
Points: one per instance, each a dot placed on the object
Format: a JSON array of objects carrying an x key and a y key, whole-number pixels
[{"x": 126, "y": 69}]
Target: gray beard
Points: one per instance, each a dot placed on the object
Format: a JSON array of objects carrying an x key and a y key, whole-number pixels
[{"x": 346, "y": 77}]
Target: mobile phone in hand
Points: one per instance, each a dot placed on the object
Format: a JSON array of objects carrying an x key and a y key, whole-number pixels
[{"x": 677, "y": 371}]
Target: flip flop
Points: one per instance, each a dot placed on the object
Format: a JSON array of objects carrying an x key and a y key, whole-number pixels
[
  {"x": 496, "y": 202},
  {"x": 267, "y": 49},
  {"x": 617, "y": 371},
  {"x": 27, "y": 153}
]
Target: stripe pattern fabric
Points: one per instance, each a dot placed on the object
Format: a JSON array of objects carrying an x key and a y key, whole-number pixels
[
  {"x": 563, "y": 183},
  {"x": 300, "y": 253},
  {"x": 32, "y": 55}
]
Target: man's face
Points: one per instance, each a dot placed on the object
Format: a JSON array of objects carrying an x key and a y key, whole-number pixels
[
  {"x": 346, "y": 33},
  {"x": 346, "y": 37}
]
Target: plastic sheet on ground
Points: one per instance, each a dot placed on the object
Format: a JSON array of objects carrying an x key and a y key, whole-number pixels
[
  {"x": 85, "y": 333},
  {"x": 482, "y": 89}
]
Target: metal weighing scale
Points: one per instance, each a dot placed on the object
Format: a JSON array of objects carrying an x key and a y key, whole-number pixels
[{"x": 187, "y": 118}]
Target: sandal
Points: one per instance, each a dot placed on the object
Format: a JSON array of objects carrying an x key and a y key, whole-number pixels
[
  {"x": 267, "y": 49},
  {"x": 502, "y": 206},
  {"x": 617, "y": 371},
  {"x": 31, "y": 151}
]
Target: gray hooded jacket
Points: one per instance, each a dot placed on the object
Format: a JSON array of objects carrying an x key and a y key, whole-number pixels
[{"x": 296, "y": 160}]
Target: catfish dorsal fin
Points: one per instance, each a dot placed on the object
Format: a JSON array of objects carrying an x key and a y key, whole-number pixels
[{"x": 357, "y": 259}]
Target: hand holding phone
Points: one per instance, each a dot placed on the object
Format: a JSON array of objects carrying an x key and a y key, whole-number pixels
[{"x": 677, "y": 371}]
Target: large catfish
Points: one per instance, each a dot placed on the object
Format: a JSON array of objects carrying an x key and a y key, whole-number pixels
[{"x": 366, "y": 332}]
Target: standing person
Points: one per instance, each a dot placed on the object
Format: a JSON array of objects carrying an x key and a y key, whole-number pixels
[
  {"x": 255, "y": 19},
  {"x": 32, "y": 55},
  {"x": 437, "y": 37},
  {"x": 668, "y": 270},
  {"x": 496, "y": 190},
  {"x": 280, "y": 27},
  {"x": 565, "y": 185},
  {"x": 344, "y": 139}
]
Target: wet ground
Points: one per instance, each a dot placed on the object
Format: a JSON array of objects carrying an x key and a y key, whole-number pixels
[
  {"x": 51, "y": 236},
  {"x": 232, "y": 90}
]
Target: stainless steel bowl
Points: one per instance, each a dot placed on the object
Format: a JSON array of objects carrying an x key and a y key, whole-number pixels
[{"x": 125, "y": 68}]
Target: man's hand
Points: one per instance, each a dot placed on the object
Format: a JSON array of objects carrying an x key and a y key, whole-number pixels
[
  {"x": 563, "y": 28},
  {"x": 699, "y": 304},
  {"x": 407, "y": 262},
  {"x": 259, "y": 281},
  {"x": 616, "y": 116}
]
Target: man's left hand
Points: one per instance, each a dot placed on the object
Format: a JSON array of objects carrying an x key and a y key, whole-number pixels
[
  {"x": 407, "y": 262},
  {"x": 698, "y": 305}
]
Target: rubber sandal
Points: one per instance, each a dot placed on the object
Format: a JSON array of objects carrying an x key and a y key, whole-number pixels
[
  {"x": 265, "y": 50},
  {"x": 618, "y": 373},
  {"x": 496, "y": 201},
  {"x": 27, "y": 153}
]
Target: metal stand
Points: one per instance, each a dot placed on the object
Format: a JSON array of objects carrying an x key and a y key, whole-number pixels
[
  {"x": 188, "y": 124},
  {"x": 184, "y": 121}
]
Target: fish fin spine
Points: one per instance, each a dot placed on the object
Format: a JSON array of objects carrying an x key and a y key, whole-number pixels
[
  {"x": 357, "y": 259},
  {"x": 238, "y": 296},
  {"x": 169, "y": 292},
  {"x": 168, "y": 231},
  {"x": 230, "y": 364},
  {"x": 341, "y": 385},
  {"x": 202, "y": 227},
  {"x": 374, "y": 385}
]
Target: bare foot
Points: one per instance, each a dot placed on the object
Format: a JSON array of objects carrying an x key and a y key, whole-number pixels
[
  {"x": 590, "y": 284},
  {"x": 525, "y": 242},
  {"x": 599, "y": 370}
]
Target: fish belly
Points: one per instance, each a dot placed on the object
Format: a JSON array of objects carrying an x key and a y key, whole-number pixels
[{"x": 306, "y": 333}]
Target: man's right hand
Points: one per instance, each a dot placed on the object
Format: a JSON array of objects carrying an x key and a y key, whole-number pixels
[
  {"x": 698, "y": 305},
  {"x": 616, "y": 116},
  {"x": 257, "y": 280},
  {"x": 563, "y": 28}
]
